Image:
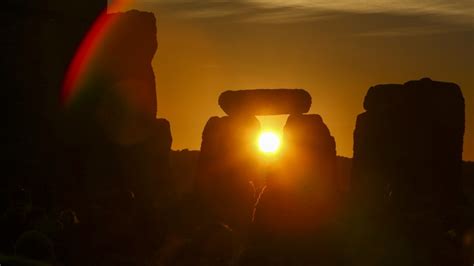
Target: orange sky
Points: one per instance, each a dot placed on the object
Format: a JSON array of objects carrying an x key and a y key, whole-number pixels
[{"x": 335, "y": 52}]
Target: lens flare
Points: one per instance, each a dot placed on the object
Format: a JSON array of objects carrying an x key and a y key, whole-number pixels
[
  {"x": 269, "y": 142},
  {"x": 86, "y": 53}
]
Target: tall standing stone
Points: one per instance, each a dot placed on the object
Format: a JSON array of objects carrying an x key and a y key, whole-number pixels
[
  {"x": 38, "y": 40},
  {"x": 227, "y": 168},
  {"x": 301, "y": 187},
  {"x": 111, "y": 118},
  {"x": 407, "y": 167},
  {"x": 119, "y": 148},
  {"x": 294, "y": 217},
  {"x": 408, "y": 145}
]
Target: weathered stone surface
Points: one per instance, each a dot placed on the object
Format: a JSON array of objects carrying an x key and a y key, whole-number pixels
[
  {"x": 407, "y": 168},
  {"x": 39, "y": 38},
  {"x": 121, "y": 65},
  {"x": 105, "y": 156},
  {"x": 302, "y": 187},
  {"x": 422, "y": 94},
  {"x": 183, "y": 165},
  {"x": 265, "y": 101},
  {"x": 407, "y": 163},
  {"x": 410, "y": 139},
  {"x": 227, "y": 164},
  {"x": 118, "y": 145},
  {"x": 468, "y": 181},
  {"x": 296, "y": 211},
  {"x": 146, "y": 164},
  {"x": 115, "y": 111}
]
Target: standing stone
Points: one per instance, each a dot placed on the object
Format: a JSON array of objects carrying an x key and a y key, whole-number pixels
[
  {"x": 111, "y": 118},
  {"x": 307, "y": 141},
  {"x": 38, "y": 40},
  {"x": 302, "y": 185},
  {"x": 408, "y": 145},
  {"x": 295, "y": 214},
  {"x": 227, "y": 181},
  {"x": 407, "y": 164},
  {"x": 146, "y": 164},
  {"x": 227, "y": 168},
  {"x": 121, "y": 147},
  {"x": 120, "y": 66}
]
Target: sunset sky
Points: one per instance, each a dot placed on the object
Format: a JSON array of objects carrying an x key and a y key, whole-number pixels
[{"x": 335, "y": 50}]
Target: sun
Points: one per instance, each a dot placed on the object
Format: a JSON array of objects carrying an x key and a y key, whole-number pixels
[{"x": 268, "y": 142}]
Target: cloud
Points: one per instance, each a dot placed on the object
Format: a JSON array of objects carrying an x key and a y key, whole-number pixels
[
  {"x": 288, "y": 11},
  {"x": 421, "y": 30},
  {"x": 287, "y": 15},
  {"x": 456, "y": 10},
  {"x": 198, "y": 9}
]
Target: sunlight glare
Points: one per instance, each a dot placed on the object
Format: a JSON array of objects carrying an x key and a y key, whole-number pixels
[{"x": 268, "y": 142}]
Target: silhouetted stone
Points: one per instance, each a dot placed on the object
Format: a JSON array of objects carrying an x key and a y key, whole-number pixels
[
  {"x": 146, "y": 164},
  {"x": 39, "y": 39},
  {"x": 104, "y": 154},
  {"x": 183, "y": 166},
  {"x": 408, "y": 145},
  {"x": 121, "y": 66},
  {"x": 109, "y": 131},
  {"x": 304, "y": 178},
  {"x": 468, "y": 181},
  {"x": 307, "y": 140},
  {"x": 113, "y": 144},
  {"x": 407, "y": 162},
  {"x": 344, "y": 170},
  {"x": 265, "y": 101},
  {"x": 227, "y": 165},
  {"x": 296, "y": 210}
]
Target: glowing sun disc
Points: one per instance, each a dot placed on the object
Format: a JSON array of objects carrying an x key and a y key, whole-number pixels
[{"x": 268, "y": 142}]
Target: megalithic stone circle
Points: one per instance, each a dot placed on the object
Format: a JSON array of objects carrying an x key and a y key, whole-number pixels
[{"x": 265, "y": 102}]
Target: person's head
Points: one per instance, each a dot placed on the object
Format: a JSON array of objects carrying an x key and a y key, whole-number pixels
[{"x": 68, "y": 218}]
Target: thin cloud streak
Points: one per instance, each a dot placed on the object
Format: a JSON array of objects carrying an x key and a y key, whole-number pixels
[
  {"x": 295, "y": 15},
  {"x": 432, "y": 16},
  {"x": 460, "y": 12},
  {"x": 412, "y": 31}
]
